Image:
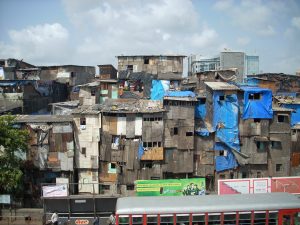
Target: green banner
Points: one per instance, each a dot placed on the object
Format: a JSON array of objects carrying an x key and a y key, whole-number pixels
[{"x": 170, "y": 187}]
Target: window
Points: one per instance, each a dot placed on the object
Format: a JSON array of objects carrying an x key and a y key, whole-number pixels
[
  {"x": 256, "y": 120},
  {"x": 182, "y": 219},
  {"x": 254, "y": 96},
  {"x": 83, "y": 151},
  {"x": 200, "y": 219},
  {"x": 221, "y": 98},
  {"x": 175, "y": 130},
  {"x": 244, "y": 175},
  {"x": 260, "y": 146},
  {"x": 214, "y": 219},
  {"x": 104, "y": 187},
  {"x": 282, "y": 119},
  {"x": 130, "y": 187},
  {"x": 152, "y": 219},
  {"x": 278, "y": 167},
  {"x": 222, "y": 176},
  {"x": 230, "y": 218},
  {"x": 276, "y": 145},
  {"x": 189, "y": 134},
  {"x": 130, "y": 68},
  {"x": 94, "y": 176},
  {"x": 82, "y": 121},
  {"x": 93, "y": 92},
  {"x": 221, "y": 153},
  {"x": 258, "y": 174},
  {"x": 112, "y": 168},
  {"x": 202, "y": 101},
  {"x": 146, "y": 61}
]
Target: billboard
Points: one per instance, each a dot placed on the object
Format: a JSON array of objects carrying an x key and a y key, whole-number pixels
[
  {"x": 58, "y": 190},
  {"x": 170, "y": 187},
  {"x": 259, "y": 185}
]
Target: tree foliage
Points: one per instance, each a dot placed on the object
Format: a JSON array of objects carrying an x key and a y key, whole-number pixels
[{"x": 13, "y": 143}]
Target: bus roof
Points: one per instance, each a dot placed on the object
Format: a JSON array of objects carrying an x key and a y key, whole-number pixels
[{"x": 207, "y": 203}]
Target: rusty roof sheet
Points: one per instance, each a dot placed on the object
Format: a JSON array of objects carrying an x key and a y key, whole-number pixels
[{"x": 221, "y": 86}]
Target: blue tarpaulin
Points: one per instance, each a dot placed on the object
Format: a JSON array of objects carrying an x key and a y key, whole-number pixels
[
  {"x": 202, "y": 132},
  {"x": 225, "y": 124},
  {"x": 227, "y": 161},
  {"x": 180, "y": 94},
  {"x": 200, "y": 110},
  {"x": 257, "y": 103},
  {"x": 295, "y": 117},
  {"x": 159, "y": 87},
  {"x": 140, "y": 150}
]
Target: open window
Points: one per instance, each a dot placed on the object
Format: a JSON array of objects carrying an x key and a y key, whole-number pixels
[{"x": 254, "y": 96}]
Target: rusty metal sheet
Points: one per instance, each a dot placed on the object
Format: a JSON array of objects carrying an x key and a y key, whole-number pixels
[{"x": 154, "y": 154}]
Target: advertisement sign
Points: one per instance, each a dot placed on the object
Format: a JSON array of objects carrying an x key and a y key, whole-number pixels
[
  {"x": 170, "y": 187},
  {"x": 286, "y": 184},
  {"x": 259, "y": 185},
  {"x": 5, "y": 199},
  {"x": 1, "y": 73},
  {"x": 55, "y": 191},
  {"x": 244, "y": 186}
]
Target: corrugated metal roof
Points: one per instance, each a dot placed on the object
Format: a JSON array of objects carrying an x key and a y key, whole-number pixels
[
  {"x": 221, "y": 86},
  {"x": 207, "y": 203},
  {"x": 43, "y": 118},
  {"x": 281, "y": 109}
]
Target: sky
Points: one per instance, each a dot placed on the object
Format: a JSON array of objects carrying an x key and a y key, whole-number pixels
[{"x": 94, "y": 32}]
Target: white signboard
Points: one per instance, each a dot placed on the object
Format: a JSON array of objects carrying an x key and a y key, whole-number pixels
[
  {"x": 260, "y": 186},
  {"x": 1, "y": 73},
  {"x": 244, "y": 186},
  {"x": 5, "y": 199},
  {"x": 55, "y": 191}
]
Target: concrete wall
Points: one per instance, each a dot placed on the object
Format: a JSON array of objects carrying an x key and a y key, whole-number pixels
[
  {"x": 234, "y": 60},
  {"x": 152, "y": 64}
]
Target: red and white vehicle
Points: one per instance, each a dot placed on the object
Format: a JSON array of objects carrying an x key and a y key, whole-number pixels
[{"x": 262, "y": 209}]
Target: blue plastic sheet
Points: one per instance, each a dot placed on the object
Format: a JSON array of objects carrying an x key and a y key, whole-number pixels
[
  {"x": 140, "y": 150},
  {"x": 224, "y": 162},
  {"x": 180, "y": 94},
  {"x": 295, "y": 117},
  {"x": 260, "y": 108},
  {"x": 202, "y": 132},
  {"x": 200, "y": 110},
  {"x": 225, "y": 124},
  {"x": 159, "y": 87}
]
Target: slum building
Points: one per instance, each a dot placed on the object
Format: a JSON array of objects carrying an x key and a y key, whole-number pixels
[
  {"x": 292, "y": 102},
  {"x": 277, "y": 82},
  {"x": 217, "y": 133},
  {"x": 9, "y": 68},
  {"x": 265, "y": 135},
  {"x": 50, "y": 155},
  {"x": 131, "y": 144},
  {"x": 295, "y": 156},
  {"x": 139, "y": 73},
  {"x": 87, "y": 125},
  {"x": 29, "y": 96},
  {"x": 178, "y": 134},
  {"x": 107, "y": 72}
]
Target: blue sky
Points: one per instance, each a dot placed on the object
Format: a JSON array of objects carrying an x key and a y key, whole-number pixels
[{"x": 93, "y": 32}]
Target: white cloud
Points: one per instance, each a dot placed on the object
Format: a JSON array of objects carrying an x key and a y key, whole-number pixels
[
  {"x": 296, "y": 22},
  {"x": 42, "y": 43},
  {"x": 111, "y": 28},
  {"x": 254, "y": 16},
  {"x": 243, "y": 41}
]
